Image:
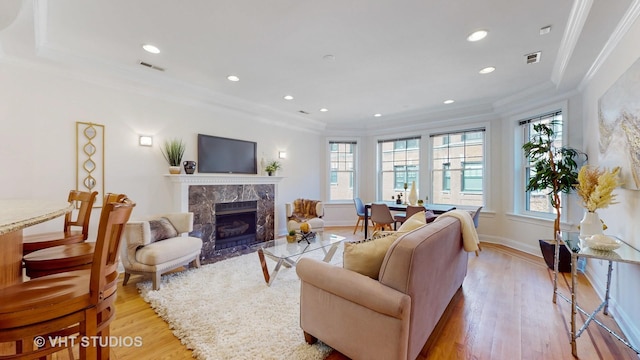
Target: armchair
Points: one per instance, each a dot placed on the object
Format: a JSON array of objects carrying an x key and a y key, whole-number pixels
[
  {"x": 305, "y": 210},
  {"x": 156, "y": 246}
]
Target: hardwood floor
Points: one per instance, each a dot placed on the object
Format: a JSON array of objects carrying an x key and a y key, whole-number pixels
[{"x": 503, "y": 311}]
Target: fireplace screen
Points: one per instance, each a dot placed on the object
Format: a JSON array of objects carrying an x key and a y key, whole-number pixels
[{"x": 235, "y": 224}]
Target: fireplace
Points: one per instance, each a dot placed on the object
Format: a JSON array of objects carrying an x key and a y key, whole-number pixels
[{"x": 235, "y": 224}]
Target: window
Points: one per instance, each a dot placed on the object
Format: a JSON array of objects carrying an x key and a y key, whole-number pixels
[
  {"x": 399, "y": 164},
  {"x": 342, "y": 170},
  {"x": 539, "y": 201},
  {"x": 458, "y": 167},
  {"x": 446, "y": 177}
]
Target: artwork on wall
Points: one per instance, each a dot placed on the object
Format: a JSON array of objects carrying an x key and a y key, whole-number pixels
[
  {"x": 619, "y": 124},
  {"x": 90, "y": 159}
]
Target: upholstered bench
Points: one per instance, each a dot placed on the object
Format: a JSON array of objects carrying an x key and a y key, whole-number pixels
[{"x": 156, "y": 246}]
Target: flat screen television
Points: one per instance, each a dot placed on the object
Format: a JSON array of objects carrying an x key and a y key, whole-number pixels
[{"x": 229, "y": 156}]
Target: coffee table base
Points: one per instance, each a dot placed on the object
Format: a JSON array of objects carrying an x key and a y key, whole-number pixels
[{"x": 287, "y": 262}]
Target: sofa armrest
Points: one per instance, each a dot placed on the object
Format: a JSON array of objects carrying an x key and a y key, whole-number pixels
[
  {"x": 354, "y": 287},
  {"x": 320, "y": 209}
]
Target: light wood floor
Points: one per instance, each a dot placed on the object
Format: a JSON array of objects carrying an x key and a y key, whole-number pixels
[{"x": 504, "y": 311}]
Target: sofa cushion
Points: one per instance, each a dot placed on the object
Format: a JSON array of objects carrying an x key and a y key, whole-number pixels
[
  {"x": 165, "y": 251},
  {"x": 366, "y": 256},
  {"x": 415, "y": 221},
  {"x": 162, "y": 229}
]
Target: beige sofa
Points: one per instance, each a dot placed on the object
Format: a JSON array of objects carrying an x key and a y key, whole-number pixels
[{"x": 389, "y": 318}]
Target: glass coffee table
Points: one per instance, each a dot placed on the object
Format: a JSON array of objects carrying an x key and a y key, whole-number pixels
[{"x": 287, "y": 254}]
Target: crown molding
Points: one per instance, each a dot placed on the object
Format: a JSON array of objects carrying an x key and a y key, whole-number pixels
[
  {"x": 575, "y": 24},
  {"x": 619, "y": 32}
]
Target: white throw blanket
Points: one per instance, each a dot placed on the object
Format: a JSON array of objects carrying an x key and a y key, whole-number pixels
[{"x": 469, "y": 234}]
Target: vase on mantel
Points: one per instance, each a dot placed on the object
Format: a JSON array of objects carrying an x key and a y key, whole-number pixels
[
  {"x": 590, "y": 224},
  {"x": 413, "y": 194}
]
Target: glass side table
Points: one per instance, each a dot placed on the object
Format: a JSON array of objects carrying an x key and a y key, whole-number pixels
[{"x": 625, "y": 253}]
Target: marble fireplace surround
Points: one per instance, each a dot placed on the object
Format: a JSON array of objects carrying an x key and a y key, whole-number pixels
[{"x": 199, "y": 193}]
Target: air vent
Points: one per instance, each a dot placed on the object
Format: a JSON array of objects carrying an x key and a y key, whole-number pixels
[
  {"x": 303, "y": 112},
  {"x": 151, "y": 66},
  {"x": 533, "y": 57}
]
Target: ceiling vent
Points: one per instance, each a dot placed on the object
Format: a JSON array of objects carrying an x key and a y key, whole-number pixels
[
  {"x": 151, "y": 66},
  {"x": 533, "y": 57},
  {"x": 303, "y": 112}
]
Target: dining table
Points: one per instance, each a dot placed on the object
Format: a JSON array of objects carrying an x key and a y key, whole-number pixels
[
  {"x": 16, "y": 215},
  {"x": 393, "y": 206}
]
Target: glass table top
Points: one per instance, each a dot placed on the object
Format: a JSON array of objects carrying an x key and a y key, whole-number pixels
[
  {"x": 283, "y": 249},
  {"x": 625, "y": 253}
]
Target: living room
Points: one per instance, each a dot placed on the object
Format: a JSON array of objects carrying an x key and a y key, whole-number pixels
[{"x": 48, "y": 88}]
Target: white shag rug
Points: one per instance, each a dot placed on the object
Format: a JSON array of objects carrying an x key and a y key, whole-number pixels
[{"x": 225, "y": 310}]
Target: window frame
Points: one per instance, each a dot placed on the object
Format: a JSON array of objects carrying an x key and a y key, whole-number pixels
[{"x": 413, "y": 143}]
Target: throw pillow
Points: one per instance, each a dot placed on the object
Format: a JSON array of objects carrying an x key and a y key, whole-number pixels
[
  {"x": 366, "y": 256},
  {"x": 162, "y": 229},
  {"x": 415, "y": 221}
]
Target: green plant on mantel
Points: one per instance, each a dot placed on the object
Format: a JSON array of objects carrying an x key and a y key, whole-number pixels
[
  {"x": 555, "y": 168},
  {"x": 272, "y": 167},
  {"x": 173, "y": 150}
]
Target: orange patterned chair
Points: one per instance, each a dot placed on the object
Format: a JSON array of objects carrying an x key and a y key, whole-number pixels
[{"x": 305, "y": 210}]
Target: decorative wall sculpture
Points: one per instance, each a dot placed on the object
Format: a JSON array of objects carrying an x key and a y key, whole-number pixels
[
  {"x": 619, "y": 124},
  {"x": 90, "y": 159}
]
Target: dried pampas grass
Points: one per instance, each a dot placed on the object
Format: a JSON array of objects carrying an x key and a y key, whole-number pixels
[{"x": 595, "y": 186}]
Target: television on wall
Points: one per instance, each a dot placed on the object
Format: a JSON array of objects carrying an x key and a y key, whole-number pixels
[{"x": 226, "y": 156}]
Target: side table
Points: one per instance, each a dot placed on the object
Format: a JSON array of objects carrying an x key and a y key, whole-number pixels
[{"x": 625, "y": 253}]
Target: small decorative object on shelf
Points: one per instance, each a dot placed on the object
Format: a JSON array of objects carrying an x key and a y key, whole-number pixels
[
  {"x": 173, "y": 150},
  {"x": 272, "y": 167},
  {"x": 189, "y": 166},
  {"x": 399, "y": 199},
  {"x": 405, "y": 186}
]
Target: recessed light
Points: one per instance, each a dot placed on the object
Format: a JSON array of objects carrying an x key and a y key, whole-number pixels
[
  {"x": 151, "y": 49},
  {"x": 487, "y": 70},
  {"x": 450, "y": 101},
  {"x": 288, "y": 97},
  {"x": 329, "y": 57},
  {"x": 377, "y": 115},
  {"x": 233, "y": 78},
  {"x": 324, "y": 110},
  {"x": 477, "y": 35},
  {"x": 545, "y": 30}
]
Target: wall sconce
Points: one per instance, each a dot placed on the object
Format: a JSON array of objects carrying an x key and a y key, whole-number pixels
[
  {"x": 282, "y": 154},
  {"x": 145, "y": 140}
]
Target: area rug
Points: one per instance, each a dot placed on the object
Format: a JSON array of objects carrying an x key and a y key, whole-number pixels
[{"x": 225, "y": 310}]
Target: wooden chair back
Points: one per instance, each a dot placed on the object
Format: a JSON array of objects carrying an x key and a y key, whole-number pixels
[
  {"x": 104, "y": 269},
  {"x": 84, "y": 202}
]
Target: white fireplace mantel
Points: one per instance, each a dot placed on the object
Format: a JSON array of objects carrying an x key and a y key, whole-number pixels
[{"x": 182, "y": 182}]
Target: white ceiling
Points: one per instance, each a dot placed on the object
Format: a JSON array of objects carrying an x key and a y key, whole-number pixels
[{"x": 399, "y": 58}]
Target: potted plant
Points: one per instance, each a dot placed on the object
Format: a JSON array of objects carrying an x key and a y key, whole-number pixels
[
  {"x": 272, "y": 167},
  {"x": 555, "y": 172},
  {"x": 292, "y": 236},
  {"x": 173, "y": 150}
]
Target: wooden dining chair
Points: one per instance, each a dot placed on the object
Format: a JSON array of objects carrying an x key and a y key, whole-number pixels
[
  {"x": 69, "y": 234},
  {"x": 78, "y": 303},
  {"x": 67, "y": 257},
  {"x": 381, "y": 217}
]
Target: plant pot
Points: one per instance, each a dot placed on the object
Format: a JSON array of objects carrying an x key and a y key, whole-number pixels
[
  {"x": 291, "y": 238},
  {"x": 189, "y": 166},
  {"x": 548, "y": 248},
  {"x": 174, "y": 170}
]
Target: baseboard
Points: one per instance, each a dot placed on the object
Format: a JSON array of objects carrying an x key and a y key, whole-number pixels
[{"x": 517, "y": 245}]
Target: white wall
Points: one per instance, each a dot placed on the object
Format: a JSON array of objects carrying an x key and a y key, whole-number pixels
[
  {"x": 40, "y": 107},
  {"x": 622, "y": 218}
]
